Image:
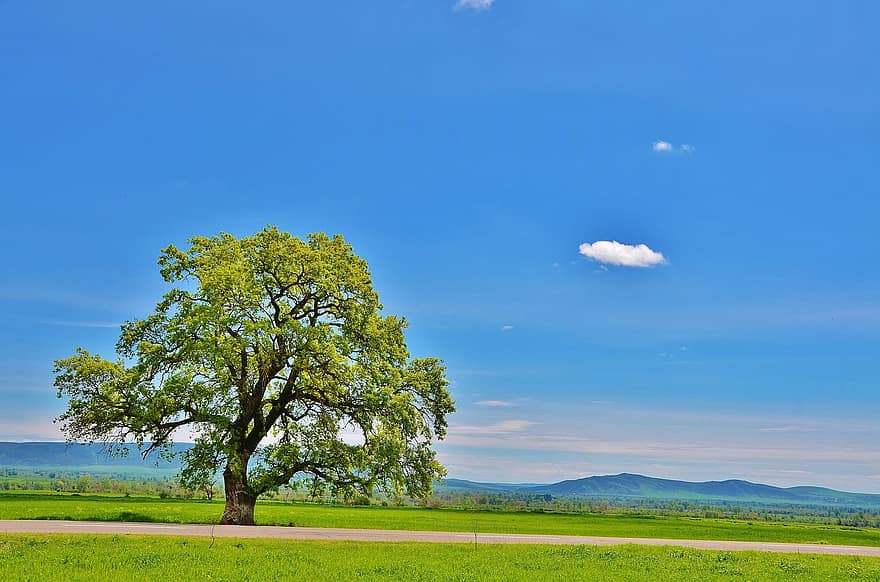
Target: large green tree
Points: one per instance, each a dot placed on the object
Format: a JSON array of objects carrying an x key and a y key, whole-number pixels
[{"x": 274, "y": 352}]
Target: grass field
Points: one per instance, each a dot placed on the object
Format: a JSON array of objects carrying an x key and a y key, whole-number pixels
[
  {"x": 81, "y": 557},
  {"x": 107, "y": 508}
]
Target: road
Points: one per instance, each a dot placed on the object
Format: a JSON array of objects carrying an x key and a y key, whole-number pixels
[{"x": 376, "y": 535}]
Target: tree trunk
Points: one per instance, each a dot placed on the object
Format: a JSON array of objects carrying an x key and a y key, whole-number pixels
[{"x": 240, "y": 500}]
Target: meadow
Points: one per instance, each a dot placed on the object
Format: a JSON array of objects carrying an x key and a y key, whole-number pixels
[
  {"x": 82, "y": 557},
  {"x": 150, "y": 509}
]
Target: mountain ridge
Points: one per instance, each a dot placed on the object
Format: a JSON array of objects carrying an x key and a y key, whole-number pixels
[
  {"x": 63, "y": 455},
  {"x": 633, "y": 486}
]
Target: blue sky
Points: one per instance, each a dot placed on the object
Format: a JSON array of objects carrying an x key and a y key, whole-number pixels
[{"x": 467, "y": 151}]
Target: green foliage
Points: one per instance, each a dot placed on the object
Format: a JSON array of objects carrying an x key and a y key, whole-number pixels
[
  {"x": 267, "y": 336},
  {"x": 67, "y": 557}
]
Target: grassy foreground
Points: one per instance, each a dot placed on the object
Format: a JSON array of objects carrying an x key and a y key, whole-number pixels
[
  {"x": 82, "y": 557},
  {"x": 106, "y": 508}
]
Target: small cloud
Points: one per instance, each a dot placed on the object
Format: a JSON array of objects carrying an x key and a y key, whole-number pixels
[
  {"x": 506, "y": 327},
  {"x": 476, "y": 5},
  {"x": 503, "y": 427},
  {"x": 495, "y": 403},
  {"x": 790, "y": 428},
  {"x": 615, "y": 253},
  {"x": 662, "y": 146},
  {"x": 513, "y": 425}
]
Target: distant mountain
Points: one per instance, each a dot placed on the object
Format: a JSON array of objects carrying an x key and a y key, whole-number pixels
[
  {"x": 93, "y": 458},
  {"x": 629, "y": 486},
  {"x": 77, "y": 456}
]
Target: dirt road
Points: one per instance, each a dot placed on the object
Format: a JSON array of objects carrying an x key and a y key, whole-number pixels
[{"x": 376, "y": 535}]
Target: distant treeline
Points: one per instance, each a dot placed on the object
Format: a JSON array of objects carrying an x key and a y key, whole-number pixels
[
  {"x": 830, "y": 515},
  {"x": 81, "y": 482},
  {"x": 84, "y": 482}
]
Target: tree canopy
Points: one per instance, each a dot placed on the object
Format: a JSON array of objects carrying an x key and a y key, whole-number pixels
[{"x": 274, "y": 353}]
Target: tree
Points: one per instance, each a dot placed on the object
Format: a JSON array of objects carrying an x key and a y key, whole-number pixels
[{"x": 275, "y": 354}]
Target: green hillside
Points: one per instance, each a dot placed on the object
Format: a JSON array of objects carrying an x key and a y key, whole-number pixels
[
  {"x": 630, "y": 486},
  {"x": 81, "y": 457}
]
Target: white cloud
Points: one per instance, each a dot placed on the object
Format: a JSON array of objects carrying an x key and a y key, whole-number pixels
[
  {"x": 506, "y": 327},
  {"x": 615, "y": 253},
  {"x": 499, "y": 428},
  {"x": 478, "y": 5},
  {"x": 495, "y": 403},
  {"x": 499, "y": 437},
  {"x": 662, "y": 146},
  {"x": 789, "y": 428}
]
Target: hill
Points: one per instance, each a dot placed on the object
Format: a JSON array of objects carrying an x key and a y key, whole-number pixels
[
  {"x": 80, "y": 457},
  {"x": 630, "y": 486}
]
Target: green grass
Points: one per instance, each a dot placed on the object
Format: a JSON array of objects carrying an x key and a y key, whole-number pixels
[
  {"x": 82, "y": 557},
  {"x": 107, "y": 508}
]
